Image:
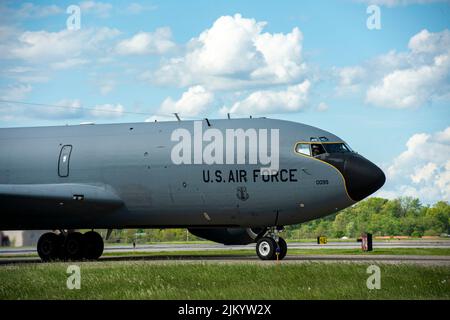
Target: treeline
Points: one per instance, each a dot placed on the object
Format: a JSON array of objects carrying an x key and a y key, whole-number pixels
[{"x": 381, "y": 217}]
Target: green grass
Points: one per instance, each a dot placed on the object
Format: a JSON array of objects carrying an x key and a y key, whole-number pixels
[
  {"x": 324, "y": 251},
  {"x": 149, "y": 280}
]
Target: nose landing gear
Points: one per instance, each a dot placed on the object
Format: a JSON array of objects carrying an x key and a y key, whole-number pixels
[
  {"x": 70, "y": 246},
  {"x": 270, "y": 246}
]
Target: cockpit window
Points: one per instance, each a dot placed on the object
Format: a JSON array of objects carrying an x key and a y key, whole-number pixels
[
  {"x": 316, "y": 148},
  {"x": 303, "y": 148},
  {"x": 336, "y": 148},
  {"x": 315, "y": 139}
]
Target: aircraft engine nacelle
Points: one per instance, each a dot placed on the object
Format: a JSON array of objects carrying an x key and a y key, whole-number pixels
[{"x": 228, "y": 236}]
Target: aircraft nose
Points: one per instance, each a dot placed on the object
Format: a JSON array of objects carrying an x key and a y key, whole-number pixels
[{"x": 362, "y": 177}]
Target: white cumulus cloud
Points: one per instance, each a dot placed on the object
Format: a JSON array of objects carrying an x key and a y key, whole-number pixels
[
  {"x": 349, "y": 78},
  {"x": 423, "y": 169},
  {"x": 409, "y": 79},
  {"x": 411, "y": 87},
  {"x": 293, "y": 99},
  {"x": 193, "y": 102},
  {"x": 59, "y": 47},
  {"x": 233, "y": 53},
  {"x": 142, "y": 43}
]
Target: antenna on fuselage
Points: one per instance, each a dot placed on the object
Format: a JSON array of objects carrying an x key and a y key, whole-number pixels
[
  {"x": 207, "y": 121},
  {"x": 177, "y": 116},
  {"x": 228, "y": 115}
]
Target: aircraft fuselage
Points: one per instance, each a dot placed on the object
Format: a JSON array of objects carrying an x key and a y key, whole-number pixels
[{"x": 124, "y": 176}]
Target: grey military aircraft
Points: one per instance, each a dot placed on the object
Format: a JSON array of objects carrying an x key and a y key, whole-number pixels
[{"x": 156, "y": 175}]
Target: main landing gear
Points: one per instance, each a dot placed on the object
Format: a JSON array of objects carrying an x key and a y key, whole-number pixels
[
  {"x": 271, "y": 246},
  {"x": 70, "y": 246}
]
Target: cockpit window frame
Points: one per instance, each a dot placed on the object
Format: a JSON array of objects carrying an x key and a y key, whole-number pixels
[
  {"x": 303, "y": 143},
  {"x": 310, "y": 143}
]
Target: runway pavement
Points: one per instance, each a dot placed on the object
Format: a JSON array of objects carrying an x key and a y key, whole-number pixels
[
  {"x": 234, "y": 258},
  {"x": 216, "y": 246}
]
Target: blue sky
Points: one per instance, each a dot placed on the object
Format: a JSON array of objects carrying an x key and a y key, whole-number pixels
[{"x": 384, "y": 91}]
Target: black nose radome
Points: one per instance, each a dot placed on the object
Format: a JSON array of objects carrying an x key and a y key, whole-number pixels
[{"x": 362, "y": 177}]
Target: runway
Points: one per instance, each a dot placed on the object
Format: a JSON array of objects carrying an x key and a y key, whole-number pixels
[
  {"x": 217, "y": 246},
  {"x": 138, "y": 254},
  {"x": 234, "y": 259}
]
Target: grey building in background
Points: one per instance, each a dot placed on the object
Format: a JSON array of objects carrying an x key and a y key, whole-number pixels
[{"x": 23, "y": 238}]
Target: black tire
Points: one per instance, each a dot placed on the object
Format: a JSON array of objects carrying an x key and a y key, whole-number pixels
[
  {"x": 282, "y": 245},
  {"x": 61, "y": 251},
  {"x": 93, "y": 245},
  {"x": 73, "y": 246},
  {"x": 49, "y": 246},
  {"x": 265, "y": 248}
]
